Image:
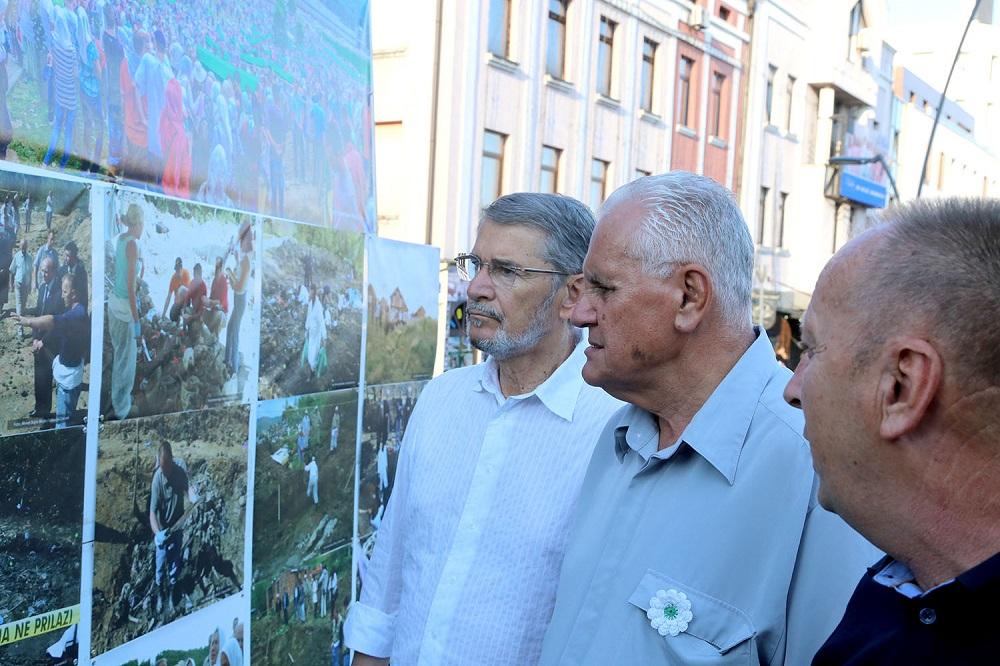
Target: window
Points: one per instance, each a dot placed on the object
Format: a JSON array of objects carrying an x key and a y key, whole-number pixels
[
  {"x": 769, "y": 93},
  {"x": 779, "y": 233},
  {"x": 857, "y": 23},
  {"x": 499, "y": 36},
  {"x": 762, "y": 214},
  {"x": 648, "y": 60},
  {"x": 605, "y": 53},
  {"x": 549, "y": 178},
  {"x": 684, "y": 98},
  {"x": 555, "y": 54},
  {"x": 492, "y": 179},
  {"x": 715, "y": 121},
  {"x": 789, "y": 96},
  {"x": 598, "y": 182}
]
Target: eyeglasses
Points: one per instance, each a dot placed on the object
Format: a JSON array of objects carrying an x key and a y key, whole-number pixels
[
  {"x": 502, "y": 273},
  {"x": 806, "y": 350}
]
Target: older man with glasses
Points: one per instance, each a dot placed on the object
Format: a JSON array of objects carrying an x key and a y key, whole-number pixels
[{"x": 468, "y": 554}]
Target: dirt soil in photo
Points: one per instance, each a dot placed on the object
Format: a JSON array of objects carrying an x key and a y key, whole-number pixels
[
  {"x": 213, "y": 447},
  {"x": 17, "y": 381},
  {"x": 287, "y": 268},
  {"x": 41, "y": 513}
]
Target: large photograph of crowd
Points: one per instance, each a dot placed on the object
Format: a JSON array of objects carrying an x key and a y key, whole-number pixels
[
  {"x": 182, "y": 314},
  {"x": 260, "y": 105},
  {"x": 45, "y": 252}
]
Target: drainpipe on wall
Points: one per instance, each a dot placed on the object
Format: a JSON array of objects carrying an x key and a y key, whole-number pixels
[
  {"x": 428, "y": 224},
  {"x": 744, "y": 101}
]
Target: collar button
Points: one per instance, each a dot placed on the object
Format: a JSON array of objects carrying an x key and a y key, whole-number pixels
[{"x": 927, "y": 615}]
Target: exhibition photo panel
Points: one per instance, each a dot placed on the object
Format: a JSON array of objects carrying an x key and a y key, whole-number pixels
[
  {"x": 310, "y": 338},
  {"x": 387, "y": 410},
  {"x": 41, "y": 517},
  {"x": 182, "y": 314},
  {"x": 251, "y": 105},
  {"x": 170, "y": 519},
  {"x": 45, "y": 240},
  {"x": 302, "y": 525},
  {"x": 203, "y": 637},
  {"x": 403, "y": 285}
]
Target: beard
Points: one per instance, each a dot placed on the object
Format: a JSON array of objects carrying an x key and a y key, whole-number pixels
[{"x": 504, "y": 344}]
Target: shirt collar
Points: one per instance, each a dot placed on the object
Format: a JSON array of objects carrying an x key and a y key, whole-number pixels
[
  {"x": 558, "y": 393},
  {"x": 718, "y": 430}
]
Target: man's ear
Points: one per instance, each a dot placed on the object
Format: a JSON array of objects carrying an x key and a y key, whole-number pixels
[
  {"x": 573, "y": 289},
  {"x": 907, "y": 386},
  {"x": 695, "y": 293}
]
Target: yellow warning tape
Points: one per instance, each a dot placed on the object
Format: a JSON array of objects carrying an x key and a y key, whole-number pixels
[{"x": 39, "y": 624}]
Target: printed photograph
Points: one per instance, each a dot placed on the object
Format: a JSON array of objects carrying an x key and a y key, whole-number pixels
[
  {"x": 182, "y": 314},
  {"x": 257, "y": 105},
  {"x": 387, "y": 410},
  {"x": 403, "y": 286},
  {"x": 213, "y": 636},
  {"x": 41, "y": 517},
  {"x": 303, "y": 525},
  {"x": 170, "y": 519},
  {"x": 310, "y": 339},
  {"x": 45, "y": 260}
]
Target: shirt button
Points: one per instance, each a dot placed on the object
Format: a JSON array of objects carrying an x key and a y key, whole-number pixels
[{"x": 927, "y": 615}]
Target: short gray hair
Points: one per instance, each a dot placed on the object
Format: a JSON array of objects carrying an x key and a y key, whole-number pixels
[
  {"x": 566, "y": 223},
  {"x": 938, "y": 267},
  {"x": 693, "y": 219}
]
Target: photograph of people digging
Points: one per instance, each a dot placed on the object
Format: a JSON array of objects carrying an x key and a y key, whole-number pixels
[{"x": 170, "y": 519}]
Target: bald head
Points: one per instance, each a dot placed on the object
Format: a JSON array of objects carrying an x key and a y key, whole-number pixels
[{"x": 933, "y": 269}]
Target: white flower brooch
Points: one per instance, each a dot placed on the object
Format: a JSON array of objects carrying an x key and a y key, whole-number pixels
[{"x": 669, "y": 612}]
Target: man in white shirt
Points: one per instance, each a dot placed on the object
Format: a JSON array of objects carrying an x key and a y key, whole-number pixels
[
  {"x": 312, "y": 484},
  {"x": 468, "y": 553}
]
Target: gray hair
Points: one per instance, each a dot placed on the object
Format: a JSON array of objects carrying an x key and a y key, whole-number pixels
[
  {"x": 938, "y": 267},
  {"x": 566, "y": 223},
  {"x": 693, "y": 219}
]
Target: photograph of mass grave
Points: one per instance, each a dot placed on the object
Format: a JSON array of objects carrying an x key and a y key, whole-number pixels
[
  {"x": 310, "y": 339},
  {"x": 403, "y": 287},
  {"x": 170, "y": 519},
  {"x": 41, "y": 516},
  {"x": 387, "y": 410},
  {"x": 182, "y": 315},
  {"x": 259, "y": 105},
  {"x": 303, "y": 525},
  {"x": 208, "y": 637},
  {"x": 45, "y": 239}
]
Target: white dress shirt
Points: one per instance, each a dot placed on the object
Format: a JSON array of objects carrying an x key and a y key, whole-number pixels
[{"x": 467, "y": 558}]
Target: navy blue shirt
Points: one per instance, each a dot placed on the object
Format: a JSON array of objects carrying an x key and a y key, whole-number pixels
[
  {"x": 954, "y": 624},
  {"x": 71, "y": 336}
]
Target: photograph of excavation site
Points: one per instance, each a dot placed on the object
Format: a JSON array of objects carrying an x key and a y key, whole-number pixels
[
  {"x": 170, "y": 519},
  {"x": 303, "y": 509},
  {"x": 310, "y": 338},
  {"x": 45, "y": 233},
  {"x": 181, "y": 312},
  {"x": 41, "y": 513}
]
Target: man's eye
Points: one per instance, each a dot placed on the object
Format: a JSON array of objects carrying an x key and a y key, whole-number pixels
[{"x": 506, "y": 271}]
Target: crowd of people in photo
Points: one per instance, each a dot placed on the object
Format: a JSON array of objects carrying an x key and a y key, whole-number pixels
[
  {"x": 224, "y": 102},
  {"x": 49, "y": 288}
]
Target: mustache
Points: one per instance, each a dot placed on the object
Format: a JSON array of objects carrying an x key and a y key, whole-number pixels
[{"x": 485, "y": 310}]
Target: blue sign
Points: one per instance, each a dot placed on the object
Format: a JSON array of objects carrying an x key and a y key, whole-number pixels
[{"x": 862, "y": 190}]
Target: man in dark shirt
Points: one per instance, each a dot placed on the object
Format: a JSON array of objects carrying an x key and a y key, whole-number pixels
[
  {"x": 166, "y": 509},
  {"x": 73, "y": 266},
  {"x": 900, "y": 384},
  {"x": 66, "y": 335}
]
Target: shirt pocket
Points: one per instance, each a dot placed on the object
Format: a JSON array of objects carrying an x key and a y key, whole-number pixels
[{"x": 718, "y": 634}]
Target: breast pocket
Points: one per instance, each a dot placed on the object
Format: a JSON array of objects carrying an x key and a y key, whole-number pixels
[{"x": 717, "y": 634}]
